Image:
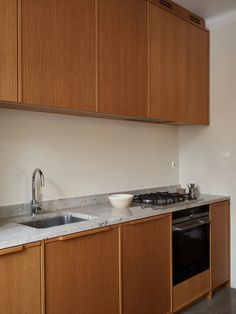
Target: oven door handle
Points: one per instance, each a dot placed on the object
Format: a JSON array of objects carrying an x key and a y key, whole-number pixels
[{"x": 200, "y": 222}]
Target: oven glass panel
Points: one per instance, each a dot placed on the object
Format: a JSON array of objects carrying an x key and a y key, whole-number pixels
[{"x": 190, "y": 252}]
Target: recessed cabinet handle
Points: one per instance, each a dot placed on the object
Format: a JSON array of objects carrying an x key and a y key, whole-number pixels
[
  {"x": 12, "y": 250},
  {"x": 138, "y": 221},
  {"x": 78, "y": 235}
]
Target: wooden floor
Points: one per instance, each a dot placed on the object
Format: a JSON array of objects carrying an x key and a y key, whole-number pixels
[{"x": 223, "y": 302}]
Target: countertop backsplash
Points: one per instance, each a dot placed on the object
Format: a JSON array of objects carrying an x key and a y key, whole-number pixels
[{"x": 62, "y": 204}]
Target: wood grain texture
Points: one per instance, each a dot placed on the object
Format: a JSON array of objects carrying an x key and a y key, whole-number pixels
[
  {"x": 122, "y": 57},
  {"x": 198, "y": 97},
  {"x": 43, "y": 303},
  {"x": 220, "y": 243},
  {"x": 8, "y": 50},
  {"x": 168, "y": 66},
  {"x": 190, "y": 290},
  {"x": 146, "y": 254},
  {"x": 82, "y": 275},
  {"x": 20, "y": 282},
  {"x": 58, "y": 53},
  {"x": 77, "y": 234},
  {"x": 11, "y": 250},
  {"x": 19, "y": 52}
]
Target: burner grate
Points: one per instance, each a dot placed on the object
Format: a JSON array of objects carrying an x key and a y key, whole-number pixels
[{"x": 160, "y": 198}]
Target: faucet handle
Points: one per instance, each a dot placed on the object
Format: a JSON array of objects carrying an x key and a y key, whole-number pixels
[{"x": 35, "y": 207}]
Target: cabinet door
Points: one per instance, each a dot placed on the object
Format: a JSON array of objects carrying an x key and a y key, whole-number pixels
[
  {"x": 82, "y": 274},
  {"x": 146, "y": 266},
  {"x": 168, "y": 65},
  {"x": 122, "y": 57},
  {"x": 58, "y": 53},
  {"x": 198, "y": 98},
  {"x": 8, "y": 50},
  {"x": 220, "y": 243},
  {"x": 20, "y": 280}
]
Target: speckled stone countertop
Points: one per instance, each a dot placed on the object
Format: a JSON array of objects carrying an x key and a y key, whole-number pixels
[{"x": 99, "y": 215}]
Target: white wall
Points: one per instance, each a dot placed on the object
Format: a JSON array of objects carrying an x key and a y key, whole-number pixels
[
  {"x": 201, "y": 148},
  {"x": 81, "y": 156}
]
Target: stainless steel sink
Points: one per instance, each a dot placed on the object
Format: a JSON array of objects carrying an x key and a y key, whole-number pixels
[{"x": 53, "y": 221}]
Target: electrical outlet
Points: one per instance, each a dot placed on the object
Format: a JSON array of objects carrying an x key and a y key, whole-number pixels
[{"x": 226, "y": 155}]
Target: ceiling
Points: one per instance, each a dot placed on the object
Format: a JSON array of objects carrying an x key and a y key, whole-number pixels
[{"x": 208, "y": 9}]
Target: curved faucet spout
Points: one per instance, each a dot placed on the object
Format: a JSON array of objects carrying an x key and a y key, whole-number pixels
[{"x": 36, "y": 204}]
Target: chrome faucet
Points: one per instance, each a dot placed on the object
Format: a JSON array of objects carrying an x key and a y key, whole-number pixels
[{"x": 36, "y": 204}]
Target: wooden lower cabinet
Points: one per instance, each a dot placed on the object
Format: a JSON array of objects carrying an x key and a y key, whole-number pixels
[
  {"x": 82, "y": 274},
  {"x": 126, "y": 269},
  {"x": 20, "y": 287},
  {"x": 220, "y": 243},
  {"x": 111, "y": 271},
  {"x": 190, "y": 290},
  {"x": 146, "y": 266}
]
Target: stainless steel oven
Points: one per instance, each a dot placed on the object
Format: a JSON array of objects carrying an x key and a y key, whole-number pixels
[{"x": 190, "y": 242}]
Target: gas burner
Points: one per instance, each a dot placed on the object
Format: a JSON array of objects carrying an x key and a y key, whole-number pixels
[{"x": 160, "y": 198}]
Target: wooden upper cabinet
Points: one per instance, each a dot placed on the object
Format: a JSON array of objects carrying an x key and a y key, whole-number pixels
[
  {"x": 198, "y": 90},
  {"x": 8, "y": 50},
  {"x": 20, "y": 287},
  {"x": 146, "y": 266},
  {"x": 129, "y": 58},
  {"x": 168, "y": 65},
  {"x": 220, "y": 243},
  {"x": 58, "y": 53},
  {"x": 82, "y": 274},
  {"x": 122, "y": 57}
]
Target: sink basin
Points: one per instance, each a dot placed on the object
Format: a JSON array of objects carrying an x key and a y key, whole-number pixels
[{"x": 53, "y": 221}]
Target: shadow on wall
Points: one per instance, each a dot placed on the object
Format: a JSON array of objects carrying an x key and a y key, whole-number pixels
[{"x": 55, "y": 188}]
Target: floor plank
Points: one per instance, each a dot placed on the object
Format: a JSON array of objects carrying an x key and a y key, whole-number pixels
[{"x": 223, "y": 302}]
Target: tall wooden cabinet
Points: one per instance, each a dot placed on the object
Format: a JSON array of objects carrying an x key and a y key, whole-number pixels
[
  {"x": 20, "y": 275},
  {"x": 82, "y": 273},
  {"x": 168, "y": 65},
  {"x": 58, "y": 53},
  {"x": 122, "y": 57},
  {"x": 178, "y": 68},
  {"x": 220, "y": 243},
  {"x": 198, "y": 78},
  {"x": 146, "y": 266},
  {"x": 8, "y": 50}
]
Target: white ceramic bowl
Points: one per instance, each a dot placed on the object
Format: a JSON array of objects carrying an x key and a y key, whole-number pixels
[{"x": 120, "y": 201}]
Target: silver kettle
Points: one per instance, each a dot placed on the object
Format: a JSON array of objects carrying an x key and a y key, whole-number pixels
[{"x": 193, "y": 191}]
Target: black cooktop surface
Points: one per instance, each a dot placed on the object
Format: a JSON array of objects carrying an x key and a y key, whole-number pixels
[{"x": 160, "y": 198}]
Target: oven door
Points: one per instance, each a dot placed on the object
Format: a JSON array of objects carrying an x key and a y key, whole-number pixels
[{"x": 190, "y": 249}]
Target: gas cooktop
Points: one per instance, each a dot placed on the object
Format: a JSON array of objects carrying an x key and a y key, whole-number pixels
[{"x": 162, "y": 199}]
